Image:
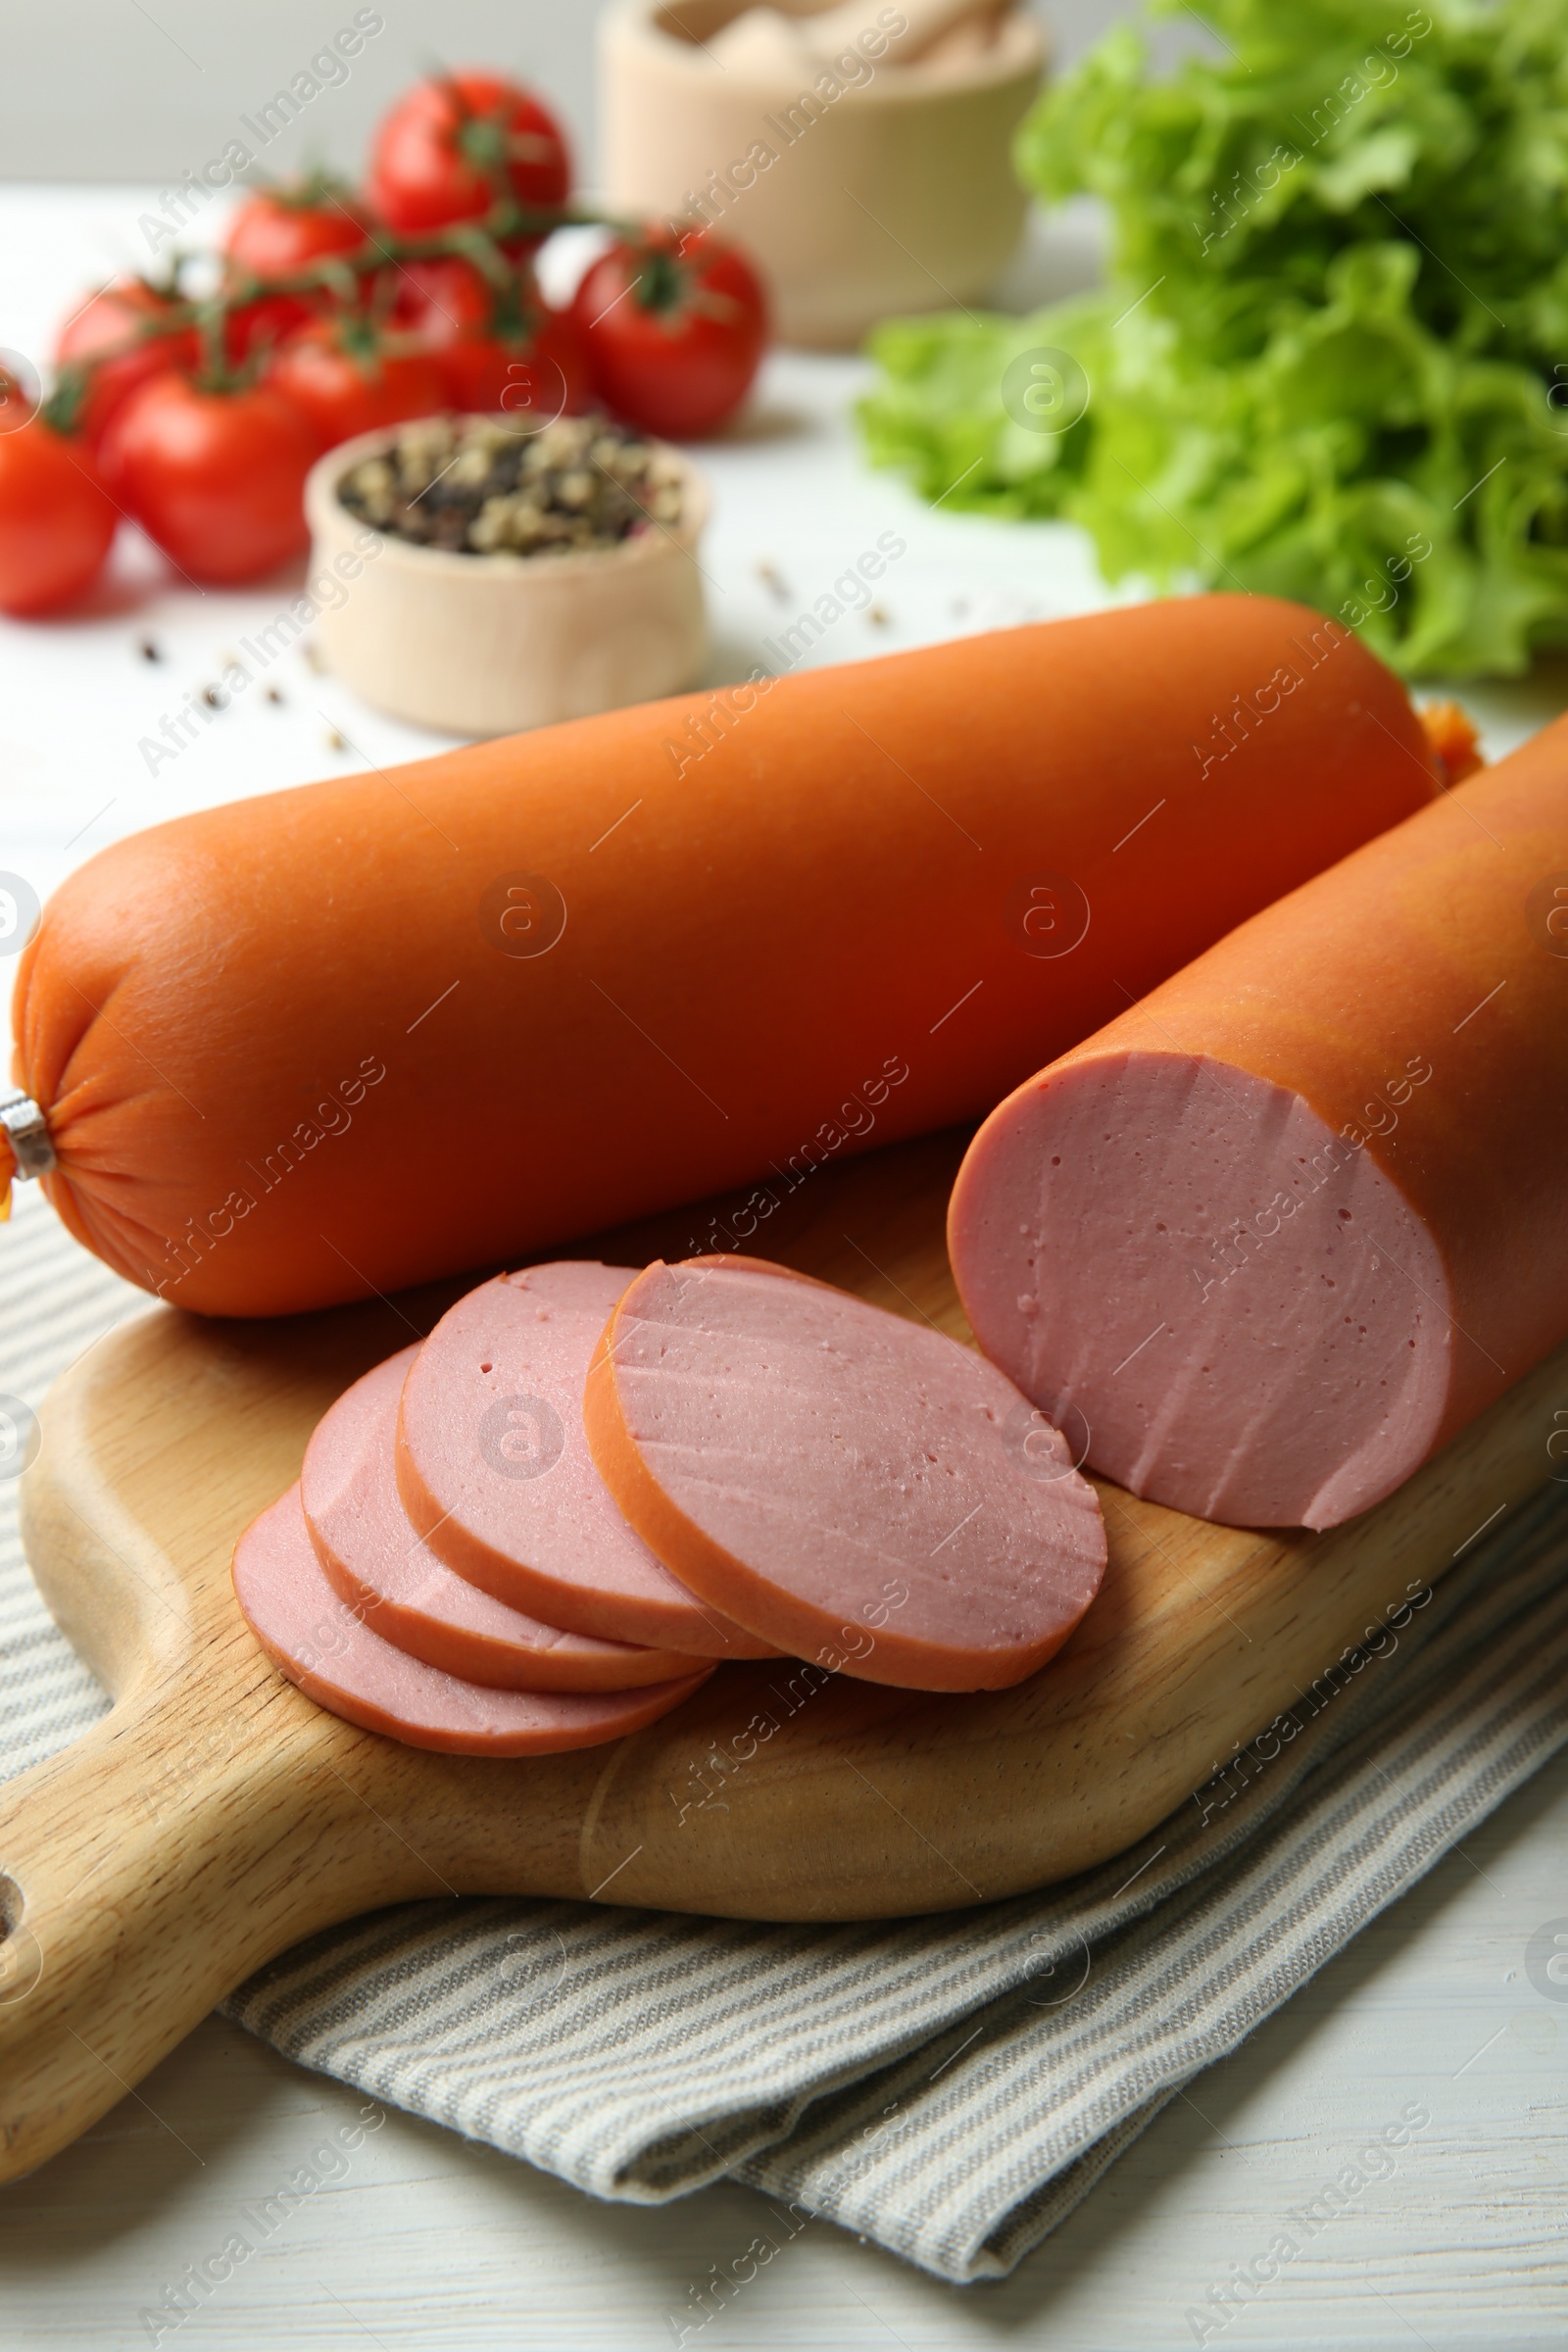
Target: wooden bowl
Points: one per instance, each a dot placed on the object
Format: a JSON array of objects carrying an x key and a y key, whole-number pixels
[
  {"x": 492, "y": 644},
  {"x": 897, "y": 195}
]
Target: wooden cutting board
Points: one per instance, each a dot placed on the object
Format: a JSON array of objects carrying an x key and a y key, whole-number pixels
[{"x": 215, "y": 1815}]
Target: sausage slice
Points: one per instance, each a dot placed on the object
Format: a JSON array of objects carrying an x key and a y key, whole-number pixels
[
  {"x": 324, "y": 1647},
  {"x": 374, "y": 1561},
  {"x": 851, "y": 1486},
  {"x": 494, "y": 1473}
]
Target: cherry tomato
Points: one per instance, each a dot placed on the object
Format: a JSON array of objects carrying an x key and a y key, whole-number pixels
[
  {"x": 56, "y": 522},
  {"x": 675, "y": 326},
  {"x": 284, "y": 229},
  {"x": 217, "y": 477},
  {"x": 134, "y": 322},
  {"x": 451, "y": 147},
  {"x": 497, "y": 347},
  {"x": 443, "y": 300},
  {"x": 542, "y": 372},
  {"x": 259, "y": 327},
  {"x": 276, "y": 233},
  {"x": 346, "y": 379}
]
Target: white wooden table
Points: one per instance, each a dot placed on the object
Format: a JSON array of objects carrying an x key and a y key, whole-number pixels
[{"x": 428, "y": 2241}]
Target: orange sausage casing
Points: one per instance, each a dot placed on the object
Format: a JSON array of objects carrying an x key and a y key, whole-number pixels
[
  {"x": 356, "y": 1034},
  {"x": 1277, "y": 1233}
]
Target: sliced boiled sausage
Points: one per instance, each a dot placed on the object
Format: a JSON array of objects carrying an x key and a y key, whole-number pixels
[
  {"x": 1283, "y": 1227},
  {"x": 853, "y": 1487},
  {"x": 407, "y": 1594},
  {"x": 495, "y": 1472},
  {"x": 325, "y": 1646}
]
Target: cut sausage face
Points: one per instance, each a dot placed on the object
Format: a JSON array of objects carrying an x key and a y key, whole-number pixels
[
  {"x": 853, "y": 1487},
  {"x": 326, "y": 1648},
  {"x": 494, "y": 1473},
  {"x": 1247, "y": 1313},
  {"x": 375, "y": 1563}
]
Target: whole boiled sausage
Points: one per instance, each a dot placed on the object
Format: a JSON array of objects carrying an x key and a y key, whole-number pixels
[{"x": 344, "y": 1038}]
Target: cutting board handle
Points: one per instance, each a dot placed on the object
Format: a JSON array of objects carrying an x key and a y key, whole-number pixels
[{"x": 143, "y": 1872}]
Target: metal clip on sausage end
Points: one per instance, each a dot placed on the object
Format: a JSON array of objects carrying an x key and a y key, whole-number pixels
[{"x": 28, "y": 1132}]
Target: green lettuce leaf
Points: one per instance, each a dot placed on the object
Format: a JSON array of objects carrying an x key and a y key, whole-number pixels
[{"x": 1332, "y": 362}]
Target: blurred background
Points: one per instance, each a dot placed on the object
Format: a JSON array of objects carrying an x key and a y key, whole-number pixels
[
  {"x": 1227, "y": 317},
  {"x": 115, "y": 91}
]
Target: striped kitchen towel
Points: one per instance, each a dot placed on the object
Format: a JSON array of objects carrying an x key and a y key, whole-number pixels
[{"x": 953, "y": 2086}]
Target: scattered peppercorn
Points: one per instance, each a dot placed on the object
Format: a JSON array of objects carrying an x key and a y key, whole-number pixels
[
  {"x": 148, "y": 649},
  {"x": 481, "y": 486}
]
